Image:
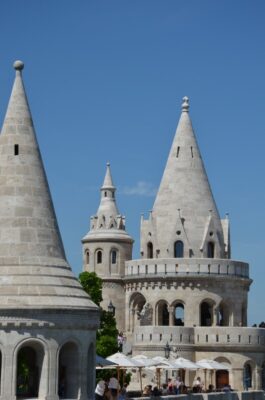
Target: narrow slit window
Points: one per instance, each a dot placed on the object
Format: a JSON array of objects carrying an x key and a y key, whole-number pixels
[
  {"x": 16, "y": 150},
  {"x": 178, "y": 151},
  {"x": 191, "y": 151}
]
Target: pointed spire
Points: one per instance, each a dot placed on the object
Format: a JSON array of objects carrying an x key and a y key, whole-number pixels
[
  {"x": 108, "y": 183},
  {"x": 184, "y": 186},
  {"x": 31, "y": 249}
]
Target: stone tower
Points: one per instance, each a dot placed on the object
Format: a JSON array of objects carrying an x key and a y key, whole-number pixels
[
  {"x": 47, "y": 321},
  {"x": 106, "y": 247},
  {"x": 186, "y": 290}
]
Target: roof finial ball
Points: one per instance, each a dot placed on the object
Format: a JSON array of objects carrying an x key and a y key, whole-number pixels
[
  {"x": 185, "y": 104},
  {"x": 18, "y": 65}
]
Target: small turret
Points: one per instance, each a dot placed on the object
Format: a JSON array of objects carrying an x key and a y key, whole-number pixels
[{"x": 107, "y": 246}]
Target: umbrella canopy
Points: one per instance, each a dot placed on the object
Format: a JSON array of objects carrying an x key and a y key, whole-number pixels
[
  {"x": 123, "y": 361},
  {"x": 163, "y": 363},
  {"x": 145, "y": 361},
  {"x": 183, "y": 363},
  {"x": 102, "y": 362},
  {"x": 211, "y": 364}
]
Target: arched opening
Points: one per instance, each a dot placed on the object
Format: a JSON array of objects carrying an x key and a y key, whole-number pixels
[
  {"x": 206, "y": 314},
  {"x": 210, "y": 250},
  {"x": 99, "y": 257},
  {"x": 179, "y": 315},
  {"x": 263, "y": 376},
  {"x": 68, "y": 374},
  {"x": 90, "y": 372},
  {"x": 221, "y": 379},
  {"x": 137, "y": 302},
  {"x": 87, "y": 257},
  {"x": 29, "y": 371},
  {"x": 179, "y": 249},
  {"x": 150, "y": 250},
  {"x": 113, "y": 257},
  {"x": 247, "y": 376},
  {"x": 162, "y": 314}
]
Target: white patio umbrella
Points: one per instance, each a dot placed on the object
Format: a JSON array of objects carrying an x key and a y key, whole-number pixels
[
  {"x": 211, "y": 365},
  {"x": 104, "y": 363},
  {"x": 164, "y": 363},
  {"x": 183, "y": 363},
  {"x": 146, "y": 362}
]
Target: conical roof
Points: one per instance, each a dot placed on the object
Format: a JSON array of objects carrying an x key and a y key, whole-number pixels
[
  {"x": 34, "y": 271},
  {"x": 184, "y": 190},
  {"x": 108, "y": 223}
]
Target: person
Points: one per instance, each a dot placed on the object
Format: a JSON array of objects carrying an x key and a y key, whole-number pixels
[
  {"x": 100, "y": 390},
  {"x": 227, "y": 388},
  {"x": 123, "y": 392},
  {"x": 164, "y": 389},
  {"x": 210, "y": 389},
  {"x": 147, "y": 391},
  {"x": 178, "y": 384},
  {"x": 156, "y": 392},
  {"x": 114, "y": 387},
  {"x": 197, "y": 385},
  {"x": 170, "y": 386}
]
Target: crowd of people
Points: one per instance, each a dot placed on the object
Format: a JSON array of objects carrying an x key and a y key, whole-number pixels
[{"x": 110, "y": 390}]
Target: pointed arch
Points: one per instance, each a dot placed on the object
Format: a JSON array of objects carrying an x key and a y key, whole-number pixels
[
  {"x": 69, "y": 371},
  {"x": 150, "y": 251},
  {"x": 210, "y": 249},
  {"x": 179, "y": 249}
]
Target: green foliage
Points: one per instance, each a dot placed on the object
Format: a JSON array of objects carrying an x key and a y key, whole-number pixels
[
  {"x": 92, "y": 285},
  {"x": 107, "y": 333}
]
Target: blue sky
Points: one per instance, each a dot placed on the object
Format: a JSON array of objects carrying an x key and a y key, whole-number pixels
[{"x": 105, "y": 79}]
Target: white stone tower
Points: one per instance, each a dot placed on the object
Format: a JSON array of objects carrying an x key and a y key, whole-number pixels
[
  {"x": 186, "y": 290},
  {"x": 47, "y": 321},
  {"x": 106, "y": 247}
]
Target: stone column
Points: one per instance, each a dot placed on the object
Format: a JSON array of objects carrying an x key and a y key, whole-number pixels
[
  {"x": 9, "y": 374},
  {"x": 258, "y": 378},
  {"x": 171, "y": 316},
  {"x": 52, "y": 390}
]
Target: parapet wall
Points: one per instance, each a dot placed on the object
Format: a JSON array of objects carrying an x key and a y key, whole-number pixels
[
  {"x": 186, "y": 267},
  {"x": 251, "y": 395}
]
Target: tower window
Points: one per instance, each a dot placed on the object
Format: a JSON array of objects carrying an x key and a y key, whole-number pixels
[
  {"x": 87, "y": 257},
  {"x": 113, "y": 257},
  {"x": 99, "y": 257},
  {"x": 105, "y": 194},
  {"x": 149, "y": 250},
  {"x": 191, "y": 151},
  {"x": 210, "y": 250},
  {"x": 178, "y": 151},
  {"x": 16, "y": 150},
  {"x": 179, "y": 249}
]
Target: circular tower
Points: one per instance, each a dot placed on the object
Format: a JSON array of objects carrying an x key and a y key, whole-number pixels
[{"x": 106, "y": 247}]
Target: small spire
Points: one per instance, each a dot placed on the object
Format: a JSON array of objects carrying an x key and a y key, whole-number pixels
[
  {"x": 108, "y": 183},
  {"x": 185, "y": 104},
  {"x": 18, "y": 65}
]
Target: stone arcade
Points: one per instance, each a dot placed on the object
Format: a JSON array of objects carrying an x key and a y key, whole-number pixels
[
  {"x": 47, "y": 322},
  {"x": 185, "y": 290}
]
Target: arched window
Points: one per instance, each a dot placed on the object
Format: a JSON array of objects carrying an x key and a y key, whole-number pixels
[
  {"x": 247, "y": 377},
  {"x": 179, "y": 249},
  {"x": 149, "y": 250},
  {"x": 210, "y": 250},
  {"x": 99, "y": 257},
  {"x": 206, "y": 314},
  {"x": 162, "y": 314},
  {"x": 87, "y": 257},
  {"x": 69, "y": 372},
  {"x": 30, "y": 371},
  {"x": 179, "y": 314},
  {"x": 114, "y": 257}
]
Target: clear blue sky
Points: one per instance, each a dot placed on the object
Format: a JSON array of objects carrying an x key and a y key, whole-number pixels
[{"x": 105, "y": 79}]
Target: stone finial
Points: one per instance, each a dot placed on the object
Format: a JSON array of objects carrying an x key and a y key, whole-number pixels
[
  {"x": 108, "y": 164},
  {"x": 18, "y": 65},
  {"x": 185, "y": 104}
]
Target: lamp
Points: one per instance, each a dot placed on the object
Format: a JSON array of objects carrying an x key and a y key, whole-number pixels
[
  {"x": 111, "y": 308},
  {"x": 167, "y": 350}
]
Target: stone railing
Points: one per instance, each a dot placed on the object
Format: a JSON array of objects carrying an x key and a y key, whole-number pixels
[
  {"x": 173, "y": 267},
  {"x": 250, "y": 395},
  {"x": 199, "y": 336}
]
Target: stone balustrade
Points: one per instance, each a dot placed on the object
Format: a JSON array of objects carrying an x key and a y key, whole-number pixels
[
  {"x": 200, "y": 336},
  {"x": 173, "y": 267}
]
